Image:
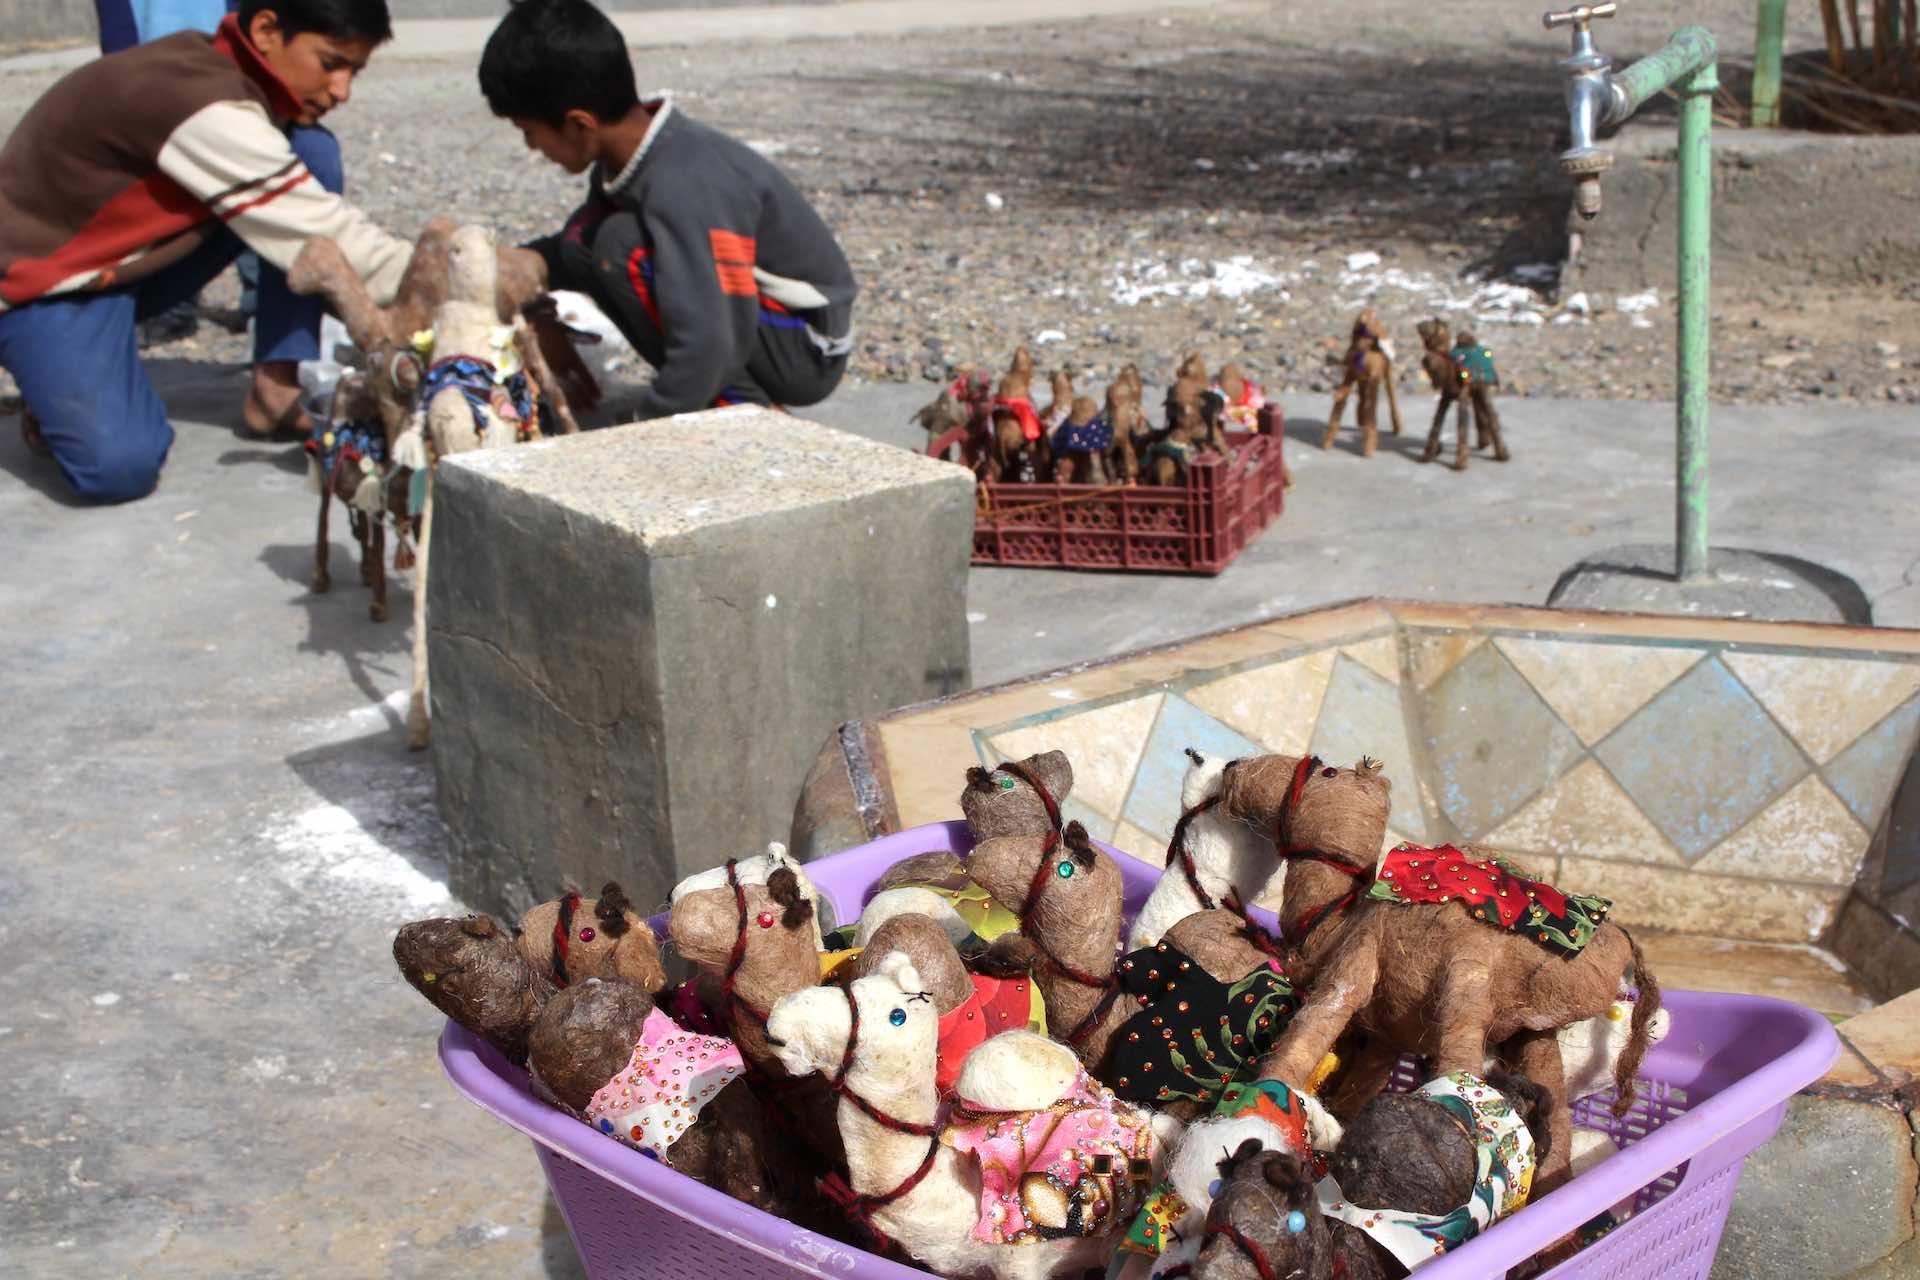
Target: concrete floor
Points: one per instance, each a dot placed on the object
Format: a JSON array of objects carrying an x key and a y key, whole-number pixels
[{"x": 229, "y": 1077}]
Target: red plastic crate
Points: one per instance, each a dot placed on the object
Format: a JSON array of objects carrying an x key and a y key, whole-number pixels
[{"x": 1198, "y": 527}]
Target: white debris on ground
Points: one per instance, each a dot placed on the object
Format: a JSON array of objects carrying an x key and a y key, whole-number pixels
[
  {"x": 1632, "y": 305},
  {"x": 1148, "y": 280},
  {"x": 375, "y": 849},
  {"x": 1365, "y": 277}
]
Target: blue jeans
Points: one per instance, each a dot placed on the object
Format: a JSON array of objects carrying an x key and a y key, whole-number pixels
[{"x": 77, "y": 356}]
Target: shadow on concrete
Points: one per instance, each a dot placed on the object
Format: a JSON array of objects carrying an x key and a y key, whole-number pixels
[
  {"x": 1455, "y": 149},
  {"x": 337, "y": 621},
  {"x": 557, "y": 1254},
  {"x": 40, "y": 474},
  {"x": 387, "y": 791}
]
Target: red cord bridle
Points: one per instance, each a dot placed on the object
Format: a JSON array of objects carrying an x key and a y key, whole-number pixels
[
  {"x": 857, "y": 1207},
  {"x": 1291, "y": 852},
  {"x": 729, "y": 997},
  {"x": 1037, "y": 888},
  {"x": 1177, "y": 846}
]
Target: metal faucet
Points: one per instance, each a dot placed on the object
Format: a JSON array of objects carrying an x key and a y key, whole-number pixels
[{"x": 1591, "y": 102}]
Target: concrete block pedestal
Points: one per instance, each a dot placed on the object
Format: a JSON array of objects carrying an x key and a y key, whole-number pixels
[{"x": 638, "y": 638}]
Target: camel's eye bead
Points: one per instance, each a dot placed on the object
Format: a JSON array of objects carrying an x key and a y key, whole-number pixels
[
  {"x": 1006, "y": 784},
  {"x": 898, "y": 1017},
  {"x": 429, "y": 977},
  {"x": 1065, "y": 868},
  {"x": 1329, "y": 772},
  {"x": 765, "y": 919},
  {"x": 1296, "y": 1222},
  {"x": 586, "y": 935},
  {"x": 1617, "y": 1012}
]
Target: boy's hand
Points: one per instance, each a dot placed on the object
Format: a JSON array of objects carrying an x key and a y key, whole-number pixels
[{"x": 556, "y": 339}]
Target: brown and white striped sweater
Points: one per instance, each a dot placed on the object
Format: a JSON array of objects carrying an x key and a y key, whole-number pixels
[{"x": 129, "y": 163}]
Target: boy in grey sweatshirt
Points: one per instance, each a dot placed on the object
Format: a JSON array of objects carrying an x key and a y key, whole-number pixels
[{"x": 709, "y": 260}]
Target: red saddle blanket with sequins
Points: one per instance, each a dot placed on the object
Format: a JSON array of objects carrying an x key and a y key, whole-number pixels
[{"x": 1492, "y": 892}]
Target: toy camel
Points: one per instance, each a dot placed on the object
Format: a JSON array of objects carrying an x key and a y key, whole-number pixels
[
  {"x": 1507, "y": 961},
  {"x": 349, "y": 461},
  {"x": 989, "y": 1191},
  {"x": 1367, "y": 368},
  {"x": 458, "y": 289}
]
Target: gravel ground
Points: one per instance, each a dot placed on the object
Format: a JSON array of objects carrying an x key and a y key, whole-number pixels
[{"x": 1241, "y": 180}]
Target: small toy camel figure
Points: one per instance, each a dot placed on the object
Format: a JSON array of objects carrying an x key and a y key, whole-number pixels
[
  {"x": 1447, "y": 379},
  {"x": 1131, "y": 430},
  {"x": 1083, "y": 445},
  {"x": 751, "y": 932},
  {"x": 1366, "y": 367},
  {"x": 1167, "y": 459},
  {"x": 962, "y": 414},
  {"x": 1213, "y": 857},
  {"x": 987, "y": 1193},
  {"x": 1018, "y": 452},
  {"x": 348, "y": 460},
  {"x": 1440, "y": 952},
  {"x": 1479, "y": 378},
  {"x": 472, "y": 396}
]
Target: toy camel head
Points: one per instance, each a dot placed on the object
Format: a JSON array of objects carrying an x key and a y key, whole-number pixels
[
  {"x": 1305, "y": 803},
  {"x": 878, "y": 1035}
]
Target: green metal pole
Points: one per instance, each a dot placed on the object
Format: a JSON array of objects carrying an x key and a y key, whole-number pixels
[
  {"x": 1696, "y": 222},
  {"x": 1769, "y": 34}
]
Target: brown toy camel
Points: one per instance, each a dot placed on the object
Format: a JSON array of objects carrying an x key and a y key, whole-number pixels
[
  {"x": 962, "y": 414},
  {"x": 1166, "y": 460},
  {"x": 371, "y": 492},
  {"x": 1067, "y": 893},
  {"x": 1447, "y": 377},
  {"x": 752, "y": 945},
  {"x": 459, "y": 287},
  {"x": 1420, "y": 977},
  {"x": 1366, "y": 367}
]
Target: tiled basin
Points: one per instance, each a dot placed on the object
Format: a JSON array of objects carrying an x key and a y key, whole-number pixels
[{"x": 1732, "y": 780}]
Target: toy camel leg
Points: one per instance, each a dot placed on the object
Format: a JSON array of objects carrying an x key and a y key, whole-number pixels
[
  {"x": 1369, "y": 415},
  {"x": 1439, "y": 427},
  {"x": 417, "y": 728},
  {"x": 1393, "y": 399},
  {"x": 1460, "y": 409},
  {"x": 322, "y": 577},
  {"x": 376, "y": 560},
  {"x": 1536, "y": 1055},
  {"x": 1489, "y": 423},
  {"x": 1461, "y": 1016},
  {"x": 1340, "y": 394},
  {"x": 1363, "y": 1078},
  {"x": 1340, "y": 989}
]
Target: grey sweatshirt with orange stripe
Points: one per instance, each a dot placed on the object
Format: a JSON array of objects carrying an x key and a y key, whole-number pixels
[
  {"x": 729, "y": 234},
  {"x": 129, "y": 163}
]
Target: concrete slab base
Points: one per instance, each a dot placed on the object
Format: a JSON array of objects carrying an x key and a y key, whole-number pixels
[
  {"x": 1768, "y": 587},
  {"x": 639, "y": 636}
]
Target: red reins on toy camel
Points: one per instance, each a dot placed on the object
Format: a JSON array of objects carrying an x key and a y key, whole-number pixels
[
  {"x": 1080, "y": 854},
  {"x": 1429, "y": 973},
  {"x": 859, "y": 1208}
]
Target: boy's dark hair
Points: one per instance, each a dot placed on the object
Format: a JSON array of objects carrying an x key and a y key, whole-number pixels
[
  {"x": 549, "y": 57},
  {"x": 338, "y": 19}
]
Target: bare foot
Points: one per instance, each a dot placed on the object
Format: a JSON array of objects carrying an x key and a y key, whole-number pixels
[{"x": 273, "y": 403}]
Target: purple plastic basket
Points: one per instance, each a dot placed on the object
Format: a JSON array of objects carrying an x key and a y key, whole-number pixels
[{"x": 1715, "y": 1089}]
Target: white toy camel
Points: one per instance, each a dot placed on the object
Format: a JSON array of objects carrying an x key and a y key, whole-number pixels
[
  {"x": 919, "y": 1182},
  {"x": 1227, "y": 857}
]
